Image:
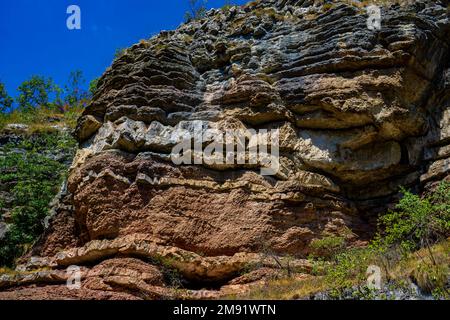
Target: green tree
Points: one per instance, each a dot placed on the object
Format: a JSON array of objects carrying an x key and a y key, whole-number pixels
[
  {"x": 74, "y": 92},
  {"x": 5, "y": 100},
  {"x": 197, "y": 10},
  {"x": 36, "y": 92}
]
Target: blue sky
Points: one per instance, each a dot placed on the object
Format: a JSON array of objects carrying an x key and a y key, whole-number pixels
[{"x": 34, "y": 38}]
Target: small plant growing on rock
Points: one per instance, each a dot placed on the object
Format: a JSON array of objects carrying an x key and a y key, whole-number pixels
[
  {"x": 416, "y": 222},
  {"x": 328, "y": 246},
  {"x": 227, "y": 6},
  {"x": 93, "y": 86}
]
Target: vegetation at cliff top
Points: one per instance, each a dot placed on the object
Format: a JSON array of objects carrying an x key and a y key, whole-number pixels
[
  {"x": 43, "y": 104},
  {"x": 31, "y": 173},
  {"x": 33, "y": 162},
  {"x": 412, "y": 245}
]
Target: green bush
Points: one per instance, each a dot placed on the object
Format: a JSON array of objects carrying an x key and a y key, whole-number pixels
[
  {"x": 349, "y": 268},
  {"x": 5, "y": 99},
  {"x": 93, "y": 86},
  {"x": 227, "y": 6},
  {"x": 416, "y": 222},
  {"x": 197, "y": 10},
  {"x": 119, "y": 53}
]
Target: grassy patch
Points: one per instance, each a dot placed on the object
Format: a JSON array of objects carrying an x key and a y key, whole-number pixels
[{"x": 43, "y": 119}]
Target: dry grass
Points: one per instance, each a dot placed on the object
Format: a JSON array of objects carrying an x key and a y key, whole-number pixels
[
  {"x": 285, "y": 289},
  {"x": 12, "y": 272},
  {"x": 365, "y": 3}
]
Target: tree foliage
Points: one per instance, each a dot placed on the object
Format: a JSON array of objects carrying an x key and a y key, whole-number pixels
[
  {"x": 197, "y": 10},
  {"x": 36, "y": 179},
  {"x": 5, "y": 100},
  {"x": 416, "y": 222},
  {"x": 73, "y": 90}
]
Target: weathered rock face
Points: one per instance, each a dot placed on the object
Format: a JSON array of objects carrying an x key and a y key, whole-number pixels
[{"x": 360, "y": 113}]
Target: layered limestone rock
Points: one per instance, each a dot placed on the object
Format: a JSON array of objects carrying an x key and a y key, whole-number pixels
[{"x": 360, "y": 112}]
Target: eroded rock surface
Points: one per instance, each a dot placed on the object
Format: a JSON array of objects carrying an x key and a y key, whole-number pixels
[{"x": 360, "y": 113}]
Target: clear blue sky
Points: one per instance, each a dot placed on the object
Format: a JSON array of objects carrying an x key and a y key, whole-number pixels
[{"x": 34, "y": 38}]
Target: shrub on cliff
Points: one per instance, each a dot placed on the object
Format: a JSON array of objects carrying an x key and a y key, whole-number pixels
[
  {"x": 408, "y": 237},
  {"x": 73, "y": 89},
  {"x": 228, "y": 4},
  {"x": 119, "y": 53},
  {"x": 328, "y": 246}
]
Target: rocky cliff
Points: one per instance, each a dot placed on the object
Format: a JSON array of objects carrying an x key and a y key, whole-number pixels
[{"x": 360, "y": 112}]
